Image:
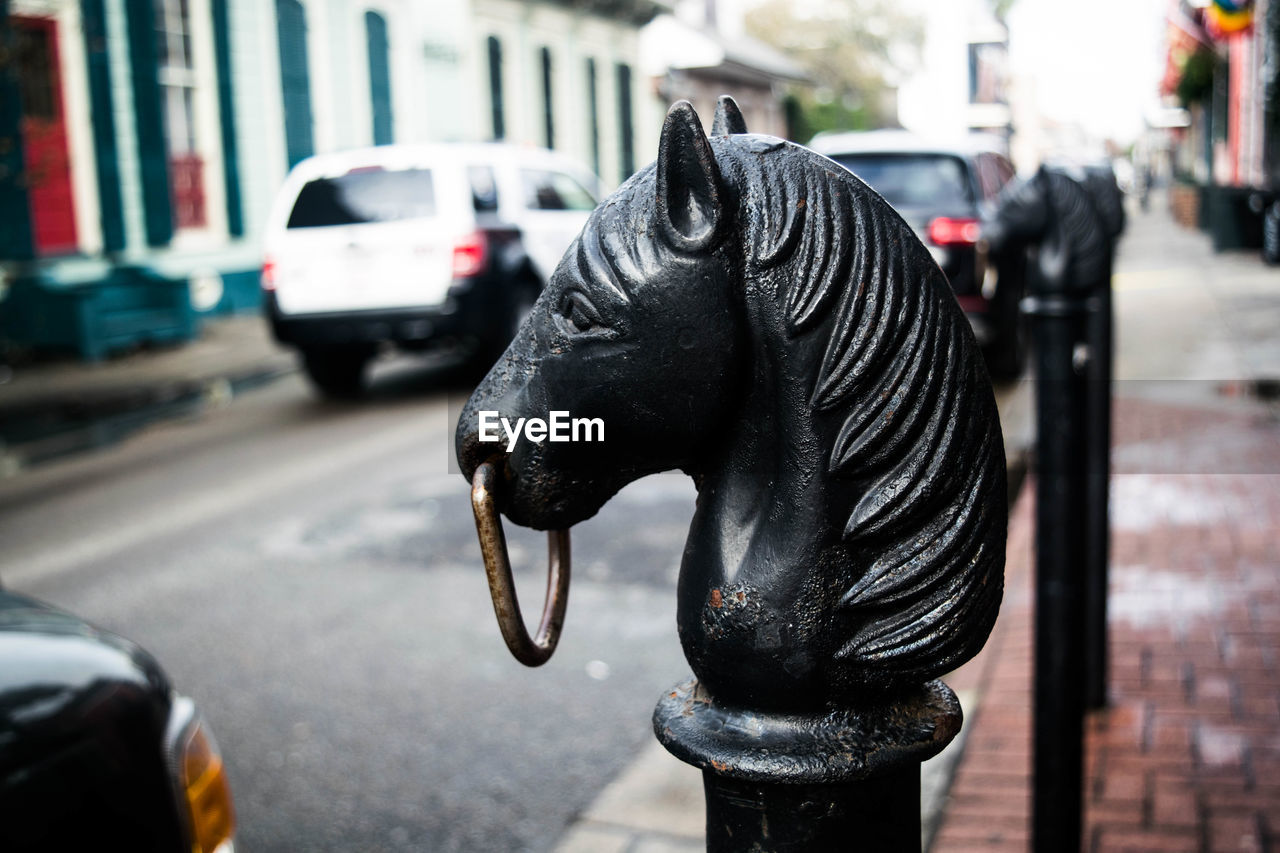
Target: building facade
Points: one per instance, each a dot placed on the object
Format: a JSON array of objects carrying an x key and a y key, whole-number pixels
[
  {"x": 146, "y": 139},
  {"x": 701, "y": 51},
  {"x": 962, "y": 84},
  {"x": 1222, "y": 64}
]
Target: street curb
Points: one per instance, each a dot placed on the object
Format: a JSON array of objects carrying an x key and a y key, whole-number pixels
[
  {"x": 82, "y": 422},
  {"x": 112, "y": 401},
  {"x": 1017, "y": 464}
]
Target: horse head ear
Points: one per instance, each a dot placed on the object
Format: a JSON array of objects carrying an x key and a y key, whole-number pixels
[
  {"x": 728, "y": 118},
  {"x": 689, "y": 198}
]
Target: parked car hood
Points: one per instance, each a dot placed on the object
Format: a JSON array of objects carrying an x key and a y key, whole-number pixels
[{"x": 59, "y": 676}]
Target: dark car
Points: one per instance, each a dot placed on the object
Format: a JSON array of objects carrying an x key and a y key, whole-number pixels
[
  {"x": 96, "y": 749},
  {"x": 944, "y": 192}
]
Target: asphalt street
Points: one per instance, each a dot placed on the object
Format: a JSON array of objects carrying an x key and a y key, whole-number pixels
[{"x": 308, "y": 572}]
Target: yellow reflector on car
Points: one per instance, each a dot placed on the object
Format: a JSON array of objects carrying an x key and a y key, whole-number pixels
[{"x": 204, "y": 781}]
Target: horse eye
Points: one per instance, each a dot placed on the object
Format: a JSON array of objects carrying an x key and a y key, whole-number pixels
[{"x": 579, "y": 315}]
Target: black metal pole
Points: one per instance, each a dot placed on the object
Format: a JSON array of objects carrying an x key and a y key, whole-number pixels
[
  {"x": 1099, "y": 334},
  {"x": 881, "y": 813},
  {"x": 822, "y": 782},
  {"x": 1060, "y": 491},
  {"x": 1108, "y": 204}
]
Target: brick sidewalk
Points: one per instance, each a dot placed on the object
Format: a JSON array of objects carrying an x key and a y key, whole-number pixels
[{"x": 1188, "y": 755}]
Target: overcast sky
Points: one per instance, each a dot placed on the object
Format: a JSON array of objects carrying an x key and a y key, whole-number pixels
[{"x": 1096, "y": 63}]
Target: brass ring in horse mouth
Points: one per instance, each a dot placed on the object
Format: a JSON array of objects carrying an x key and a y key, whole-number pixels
[{"x": 530, "y": 651}]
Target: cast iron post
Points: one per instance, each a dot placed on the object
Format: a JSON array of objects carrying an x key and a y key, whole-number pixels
[
  {"x": 1058, "y": 329},
  {"x": 846, "y": 779},
  {"x": 1109, "y": 204},
  {"x": 1054, "y": 212},
  {"x": 1099, "y": 337},
  {"x": 748, "y": 313}
]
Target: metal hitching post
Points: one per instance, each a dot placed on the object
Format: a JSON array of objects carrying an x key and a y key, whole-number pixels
[
  {"x": 1058, "y": 330},
  {"x": 1053, "y": 212},
  {"x": 1109, "y": 204},
  {"x": 751, "y": 314}
]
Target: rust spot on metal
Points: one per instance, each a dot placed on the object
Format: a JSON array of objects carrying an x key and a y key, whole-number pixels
[
  {"x": 719, "y": 765},
  {"x": 717, "y": 599},
  {"x": 741, "y": 596}
]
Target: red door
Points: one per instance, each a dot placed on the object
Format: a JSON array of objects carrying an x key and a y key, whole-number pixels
[{"x": 44, "y": 136}]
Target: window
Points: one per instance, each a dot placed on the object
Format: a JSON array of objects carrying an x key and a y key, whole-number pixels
[
  {"x": 548, "y": 103},
  {"x": 988, "y": 73},
  {"x": 912, "y": 180},
  {"x": 375, "y": 27},
  {"x": 547, "y": 190},
  {"x": 495, "y": 87},
  {"x": 363, "y": 196},
  {"x": 626, "y": 144},
  {"x": 593, "y": 110},
  {"x": 175, "y": 71}
]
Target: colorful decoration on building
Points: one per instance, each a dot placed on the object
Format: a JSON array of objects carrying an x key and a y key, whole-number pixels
[{"x": 1225, "y": 18}]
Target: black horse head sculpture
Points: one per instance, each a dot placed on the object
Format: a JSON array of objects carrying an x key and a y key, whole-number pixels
[
  {"x": 749, "y": 312},
  {"x": 1055, "y": 211}
]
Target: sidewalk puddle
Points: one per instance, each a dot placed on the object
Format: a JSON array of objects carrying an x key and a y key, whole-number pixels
[
  {"x": 1143, "y": 502},
  {"x": 1145, "y": 597}
]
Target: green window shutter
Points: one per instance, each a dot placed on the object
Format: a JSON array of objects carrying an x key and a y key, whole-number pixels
[
  {"x": 548, "y": 100},
  {"x": 227, "y": 117},
  {"x": 148, "y": 116},
  {"x": 593, "y": 110},
  {"x": 375, "y": 27},
  {"x": 106, "y": 155},
  {"x": 291, "y": 27},
  {"x": 626, "y": 130},
  {"x": 17, "y": 240},
  {"x": 495, "y": 87}
]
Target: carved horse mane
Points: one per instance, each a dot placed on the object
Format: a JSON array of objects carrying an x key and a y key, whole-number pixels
[{"x": 898, "y": 379}]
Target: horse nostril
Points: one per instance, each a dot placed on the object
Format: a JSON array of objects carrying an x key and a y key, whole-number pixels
[
  {"x": 466, "y": 442},
  {"x": 471, "y": 453}
]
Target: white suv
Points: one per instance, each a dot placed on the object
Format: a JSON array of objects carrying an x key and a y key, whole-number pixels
[{"x": 415, "y": 246}]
